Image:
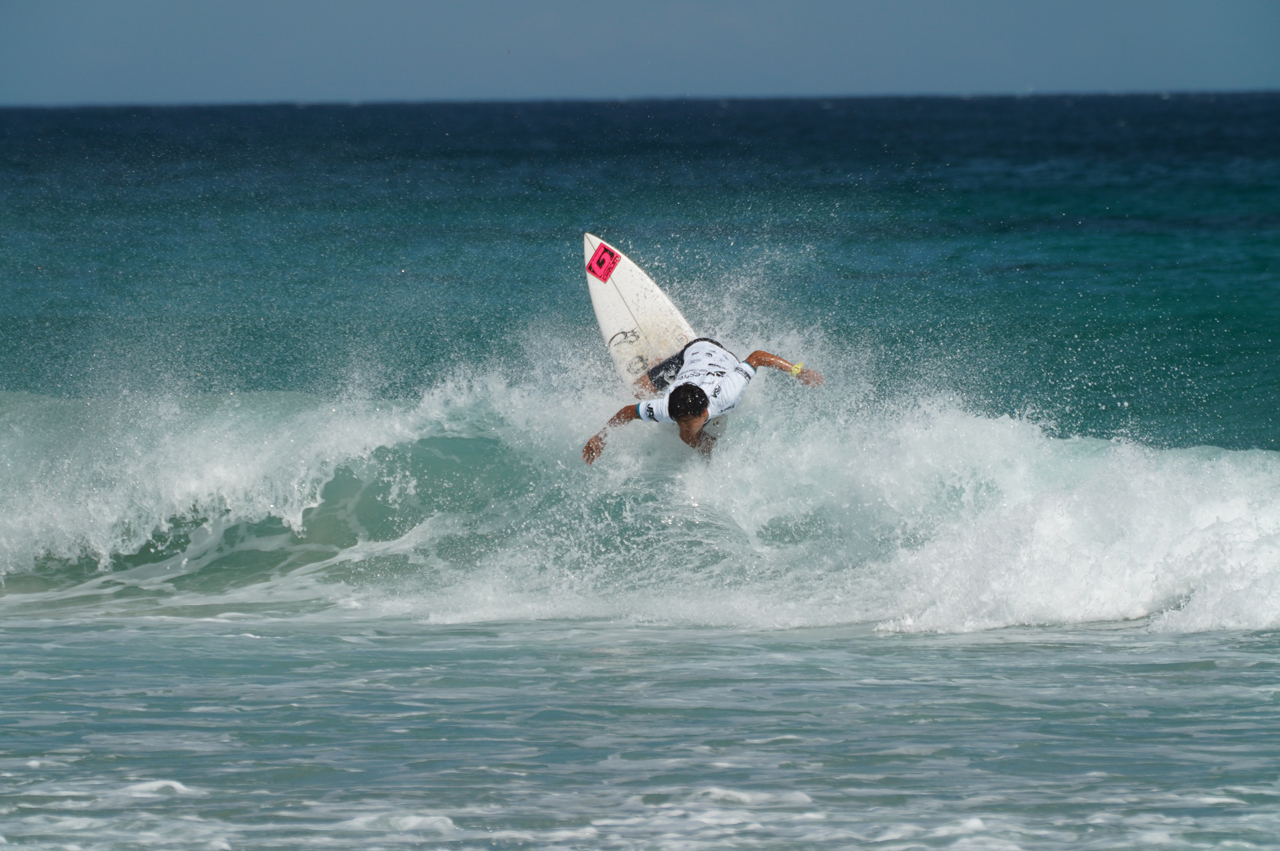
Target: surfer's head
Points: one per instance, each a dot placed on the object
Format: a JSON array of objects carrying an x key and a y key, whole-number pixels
[{"x": 686, "y": 401}]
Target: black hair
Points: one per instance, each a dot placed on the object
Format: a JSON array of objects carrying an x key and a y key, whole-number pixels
[{"x": 687, "y": 400}]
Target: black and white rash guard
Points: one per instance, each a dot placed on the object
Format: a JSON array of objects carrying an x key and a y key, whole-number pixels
[{"x": 713, "y": 368}]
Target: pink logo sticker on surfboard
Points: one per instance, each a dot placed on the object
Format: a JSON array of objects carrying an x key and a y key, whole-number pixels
[{"x": 603, "y": 262}]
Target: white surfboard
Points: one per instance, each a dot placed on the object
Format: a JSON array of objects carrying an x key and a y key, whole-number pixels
[{"x": 640, "y": 325}]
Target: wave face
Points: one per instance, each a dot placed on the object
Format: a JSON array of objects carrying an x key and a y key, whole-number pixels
[{"x": 342, "y": 361}]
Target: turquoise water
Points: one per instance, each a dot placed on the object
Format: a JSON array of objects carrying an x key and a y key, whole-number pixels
[
  {"x": 298, "y": 549},
  {"x": 217, "y": 734}
]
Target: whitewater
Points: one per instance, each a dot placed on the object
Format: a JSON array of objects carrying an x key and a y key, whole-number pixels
[
  {"x": 297, "y": 548},
  {"x": 916, "y": 516}
]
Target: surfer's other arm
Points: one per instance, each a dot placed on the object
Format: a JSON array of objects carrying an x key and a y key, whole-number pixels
[
  {"x": 759, "y": 358},
  {"x": 595, "y": 445}
]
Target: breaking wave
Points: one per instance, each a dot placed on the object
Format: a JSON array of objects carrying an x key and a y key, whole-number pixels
[{"x": 472, "y": 504}]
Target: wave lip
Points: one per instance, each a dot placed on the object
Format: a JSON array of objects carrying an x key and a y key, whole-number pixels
[{"x": 98, "y": 479}]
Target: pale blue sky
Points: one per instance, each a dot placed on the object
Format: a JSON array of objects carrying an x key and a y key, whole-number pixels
[{"x": 66, "y": 52}]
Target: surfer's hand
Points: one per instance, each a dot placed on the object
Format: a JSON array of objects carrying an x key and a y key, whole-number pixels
[
  {"x": 626, "y": 414},
  {"x": 594, "y": 447},
  {"x": 808, "y": 376}
]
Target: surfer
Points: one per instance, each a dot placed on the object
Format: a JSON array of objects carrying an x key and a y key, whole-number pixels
[{"x": 706, "y": 380}]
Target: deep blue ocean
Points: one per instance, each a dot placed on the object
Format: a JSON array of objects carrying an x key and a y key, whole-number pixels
[{"x": 298, "y": 549}]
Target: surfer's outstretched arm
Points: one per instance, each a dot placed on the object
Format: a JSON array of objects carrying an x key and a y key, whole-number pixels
[
  {"x": 758, "y": 359},
  {"x": 595, "y": 445}
]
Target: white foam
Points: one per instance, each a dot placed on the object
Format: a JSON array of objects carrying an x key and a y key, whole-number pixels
[
  {"x": 382, "y": 821},
  {"x": 1069, "y": 531},
  {"x": 814, "y": 510},
  {"x": 926, "y": 519},
  {"x": 157, "y": 788},
  {"x": 739, "y": 797}
]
